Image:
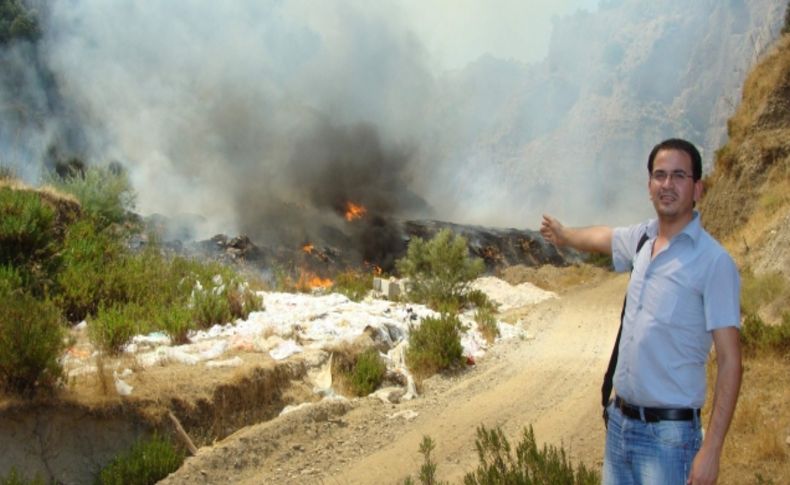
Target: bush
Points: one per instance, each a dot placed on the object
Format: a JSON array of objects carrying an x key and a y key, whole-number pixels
[
  {"x": 105, "y": 193},
  {"x": 27, "y": 227},
  {"x": 368, "y": 373},
  {"x": 31, "y": 342},
  {"x": 428, "y": 468},
  {"x": 548, "y": 466},
  {"x": 115, "y": 325},
  {"x": 357, "y": 372},
  {"x": 147, "y": 462},
  {"x": 497, "y": 465},
  {"x": 176, "y": 323},
  {"x": 439, "y": 270},
  {"x": 354, "y": 285},
  {"x": 486, "y": 324},
  {"x": 480, "y": 300},
  {"x": 90, "y": 272},
  {"x": 757, "y": 337},
  {"x": 210, "y": 307},
  {"x": 435, "y": 345}
]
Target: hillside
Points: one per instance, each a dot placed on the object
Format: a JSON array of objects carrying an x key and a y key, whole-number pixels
[
  {"x": 614, "y": 82},
  {"x": 747, "y": 204}
]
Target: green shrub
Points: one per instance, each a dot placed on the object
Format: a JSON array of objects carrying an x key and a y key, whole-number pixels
[
  {"x": 221, "y": 297},
  {"x": 480, "y": 300},
  {"x": 27, "y": 227},
  {"x": 147, "y": 462},
  {"x": 486, "y": 324},
  {"x": 497, "y": 465},
  {"x": 353, "y": 284},
  {"x": 435, "y": 345},
  {"x": 90, "y": 270},
  {"x": 210, "y": 307},
  {"x": 31, "y": 342},
  {"x": 427, "y": 474},
  {"x": 547, "y": 466},
  {"x": 757, "y": 337},
  {"x": 105, "y": 193},
  {"x": 176, "y": 323},
  {"x": 439, "y": 270},
  {"x": 115, "y": 325},
  {"x": 243, "y": 300},
  {"x": 14, "y": 478},
  {"x": 368, "y": 372},
  {"x": 10, "y": 279}
]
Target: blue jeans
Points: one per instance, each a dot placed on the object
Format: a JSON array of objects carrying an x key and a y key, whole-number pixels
[{"x": 641, "y": 453}]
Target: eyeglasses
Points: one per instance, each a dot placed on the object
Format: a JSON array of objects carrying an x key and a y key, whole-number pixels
[{"x": 678, "y": 176}]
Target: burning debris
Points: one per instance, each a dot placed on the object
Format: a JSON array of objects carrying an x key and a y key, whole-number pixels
[
  {"x": 354, "y": 211},
  {"x": 382, "y": 242}
]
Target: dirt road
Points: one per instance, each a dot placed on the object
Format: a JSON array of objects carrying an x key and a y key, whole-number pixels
[{"x": 550, "y": 380}]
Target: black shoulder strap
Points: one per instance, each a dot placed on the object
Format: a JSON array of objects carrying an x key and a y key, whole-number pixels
[{"x": 606, "y": 388}]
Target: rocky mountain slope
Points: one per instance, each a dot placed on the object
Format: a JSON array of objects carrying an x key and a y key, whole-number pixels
[
  {"x": 571, "y": 133},
  {"x": 748, "y": 194}
]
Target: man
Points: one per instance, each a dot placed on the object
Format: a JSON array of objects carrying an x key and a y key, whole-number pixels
[{"x": 683, "y": 294}]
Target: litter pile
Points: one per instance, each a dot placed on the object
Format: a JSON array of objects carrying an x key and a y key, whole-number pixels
[{"x": 310, "y": 324}]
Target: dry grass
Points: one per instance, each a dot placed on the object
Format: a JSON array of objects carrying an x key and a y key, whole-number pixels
[
  {"x": 555, "y": 279},
  {"x": 756, "y": 443},
  {"x": 759, "y": 87}
]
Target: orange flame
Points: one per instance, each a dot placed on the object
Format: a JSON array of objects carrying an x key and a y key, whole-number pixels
[
  {"x": 308, "y": 281},
  {"x": 354, "y": 211},
  {"x": 308, "y": 248},
  {"x": 374, "y": 268}
]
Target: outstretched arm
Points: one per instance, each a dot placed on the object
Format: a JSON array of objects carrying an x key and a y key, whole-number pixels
[
  {"x": 705, "y": 469},
  {"x": 592, "y": 239}
]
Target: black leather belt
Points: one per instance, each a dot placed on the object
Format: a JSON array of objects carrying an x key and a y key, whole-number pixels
[{"x": 653, "y": 415}]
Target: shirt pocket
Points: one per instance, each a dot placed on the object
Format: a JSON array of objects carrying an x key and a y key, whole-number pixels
[{"x": 660, "y": 300}]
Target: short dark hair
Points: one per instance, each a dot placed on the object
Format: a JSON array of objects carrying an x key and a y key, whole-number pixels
[{"x": 682, "y": 145}]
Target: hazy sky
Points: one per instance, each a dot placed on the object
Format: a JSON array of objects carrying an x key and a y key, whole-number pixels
[{"x": 456, "y": 32}]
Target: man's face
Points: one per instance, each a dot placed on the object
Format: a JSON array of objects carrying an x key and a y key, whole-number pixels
[{"x": 672, "y": 186}]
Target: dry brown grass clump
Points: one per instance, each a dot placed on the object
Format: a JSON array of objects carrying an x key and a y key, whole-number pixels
[{"x": 757, "y": 443}]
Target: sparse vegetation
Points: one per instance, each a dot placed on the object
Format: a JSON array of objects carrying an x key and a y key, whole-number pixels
[
  {"x": 435, "y": 345},
  {"x": 354, "y": 285},
  {"x": 486, "y": 324},
  {"x": 147, "y": 462},
  {"x": 368, "y": 372},
  {"x": 498, "y": 465},
  {"x": 31, "y": 341},
  {"x": 760, "y": 290},
  {"x": 64, "y": 262},
  {"x": 359, "y": 373},
  {"x": 15, "y": 478},
  {"x": 757, "y": 337},
  {"x": 427, "y": 474},
  {"x": 105, "y": 193},
  {"x": 440, "y": 271}
]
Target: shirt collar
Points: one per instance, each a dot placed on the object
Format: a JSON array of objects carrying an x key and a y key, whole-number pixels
[{"x": 692, "y": 230}]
